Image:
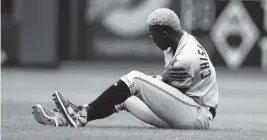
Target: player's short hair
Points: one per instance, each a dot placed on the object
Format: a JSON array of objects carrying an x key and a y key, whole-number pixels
[{"x": 164, "y": 16}]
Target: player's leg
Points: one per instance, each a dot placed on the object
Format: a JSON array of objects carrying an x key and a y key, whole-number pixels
[
  {"x": 101, "y": 107},
  {"x": 141, "y": 111},
  {"x": 168, "y": 103},
  {"x": 133, "y": 104},
  {"x": 164, "y": 106}
]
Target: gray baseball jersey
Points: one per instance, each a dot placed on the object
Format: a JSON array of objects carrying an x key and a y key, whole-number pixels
[
  {"x": 201, "y": 81},
  {"x": 162, "y": 105}
]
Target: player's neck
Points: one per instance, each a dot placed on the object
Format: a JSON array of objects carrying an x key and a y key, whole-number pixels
[{"x": 177, "y": 39}]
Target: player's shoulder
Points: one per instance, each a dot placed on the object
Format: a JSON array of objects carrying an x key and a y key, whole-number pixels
[
  {"x": 188, "y": 45},
  {"x": 190, "y": 40},
  {"x": 187, "y": 50}
]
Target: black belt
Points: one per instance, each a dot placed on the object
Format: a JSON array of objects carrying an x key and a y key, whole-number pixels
[{"x": 213, "y": 112}]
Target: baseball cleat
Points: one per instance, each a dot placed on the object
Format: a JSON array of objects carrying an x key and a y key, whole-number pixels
[
  {"x": 76, "y": 115},
  {"x": 47, "y": 117}
]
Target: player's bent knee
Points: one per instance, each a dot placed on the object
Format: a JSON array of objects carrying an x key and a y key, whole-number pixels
[
  {"x": 132, "y": 74},
  {"x": 135, "y": 73},
  {"x": 130, "y": 77}
]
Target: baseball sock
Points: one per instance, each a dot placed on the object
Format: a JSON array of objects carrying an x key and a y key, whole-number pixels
[{"x": 103, "y": 106}]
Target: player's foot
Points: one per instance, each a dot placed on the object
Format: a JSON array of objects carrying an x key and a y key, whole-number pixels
[
  {"x": 120, "y": 107},
  {"x": 76, "y": 115},
  {"x": 47, "y": 117}
]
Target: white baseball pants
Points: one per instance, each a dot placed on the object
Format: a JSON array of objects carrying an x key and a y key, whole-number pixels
[{"x": 162, "y": 105}]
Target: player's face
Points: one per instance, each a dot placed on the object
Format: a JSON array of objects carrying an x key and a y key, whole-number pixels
[{"x": 159, "y": 36}]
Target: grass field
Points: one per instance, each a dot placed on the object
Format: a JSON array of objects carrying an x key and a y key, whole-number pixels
[{"x": 242, "y": 112}]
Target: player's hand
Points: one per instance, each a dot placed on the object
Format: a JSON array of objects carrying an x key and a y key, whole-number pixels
[{"x": 174, "y": 74}]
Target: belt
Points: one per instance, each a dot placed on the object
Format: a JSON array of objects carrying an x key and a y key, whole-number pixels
[{"x": 213, "y": 112}]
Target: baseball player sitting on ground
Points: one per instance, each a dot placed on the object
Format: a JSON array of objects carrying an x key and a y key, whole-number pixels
[{"x": 184, "y": 97}]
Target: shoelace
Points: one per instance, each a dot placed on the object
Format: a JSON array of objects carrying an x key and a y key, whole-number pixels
[
  {"x": 57, "y": 113},
  {"x": 56, "y": 110},
  {"x": 74, "y": 111},
  {"x": 72, "y": 105},
  {"x": 61, "y": 117}
]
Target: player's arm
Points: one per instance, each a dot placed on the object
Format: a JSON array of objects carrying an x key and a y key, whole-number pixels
[{"x": 181, "y": 73}]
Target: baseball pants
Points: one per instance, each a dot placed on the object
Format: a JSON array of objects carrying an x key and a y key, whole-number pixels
[{"x": 162, "y": 105}]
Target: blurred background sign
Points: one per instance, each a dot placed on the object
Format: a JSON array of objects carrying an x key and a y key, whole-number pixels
[
  {"x": 118, "y": 29},
  {"x": 233, "y": 32}
]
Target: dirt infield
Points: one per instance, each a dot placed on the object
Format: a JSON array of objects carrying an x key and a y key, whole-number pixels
[{"x": 242, "y": 112}]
